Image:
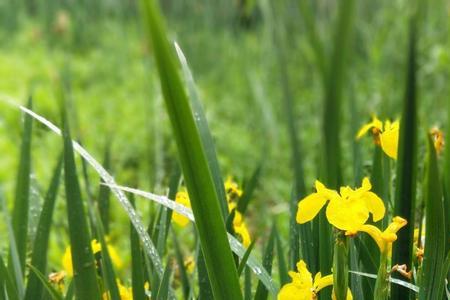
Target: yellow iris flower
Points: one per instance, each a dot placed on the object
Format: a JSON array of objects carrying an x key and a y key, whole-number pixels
[
  {"x": 384, "y": 239},
  {"x": 96, "y": 248},
  {"x": 346, "y": 210},
  {"x": 385, "y": 136},
  {"x": 303, "y": 287},
  {"x": 182, "y": 198}
]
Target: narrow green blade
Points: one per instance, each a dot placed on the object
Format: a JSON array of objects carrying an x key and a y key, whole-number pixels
[
  {"x": 433, "y": 273},
  {"x": 137, "y": 263},
  {"x": 248, "y": 284},
  {"x": 44, "y": 281},
  {"x": 40, "y": 248},
  {"x": 282, "y": 266},
  {"x": 85, "y": 277},
  {"x": 104, "y": 192},
  {"x": 21, "y": 203},
  {"x": 261, "y": 291},
  {"x": 249, "y": 188},
  {"x": 9, "y": 286},
  {"x": 205, "y": 195},
  {"x": 14, "y": 269},
  {"x": 186, "y": 287},
  {"x": 405, "y": 193},
  {"x": 244, "y": 259},
  {"x": 163, "y": 290}
]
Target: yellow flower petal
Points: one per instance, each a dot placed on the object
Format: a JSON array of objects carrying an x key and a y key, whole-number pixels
[
  {"x": 347, "y": 215},
  {"x": 183, "y": 199},
  {"x": 389, "y": 140},
  {"x": 291, "y": 291},
  {"x": 375, "y": 205},
  {"x": 366, "y": 185},
  {"x": 304, "y": 277},
  {"x": 242, "y": 231},
  {"x": 375, "y": 123},
  {"x": 322, "y": 282},
  {"x": 375, "y": 233},
  {"x": 309, "y": 207}
]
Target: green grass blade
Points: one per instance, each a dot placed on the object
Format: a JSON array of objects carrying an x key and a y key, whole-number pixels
[
  {"x": 40, "y": 248},
  {"x": 44, "y": 281},
  {"x": 203, "y": 129},
  {"x": 14, "y": 269},
  {"x": 9, "y": 285},
  {"x": 313, "y": 36},
  {"x": 405, "y": 193},
  {"x": 447, "y": 181},
  {"x": 137, "y": 263},
  {"x": 261, "y": 290},
  {"x": 104, "y": 192},
  {"x": 85, "y": 276},
  {"x": 163, "y": 289},
  {"x": 21, "y": 203},
  {"x": 204, "y": 286},
  {"x": 331, "y": 124},
  {"x": 244, "y": 259},
  {"x": 298, "y": 191},
  {"x": 432, "y": 283},
  {"x": 249, "y": 188},
  {"x": 282, "y": 266},
  {"x": 186, "y": 287},
  {"x": 147, "y": 243},
  {"x": 248, "y": 284},
  {"x": 205, "y": 195}
]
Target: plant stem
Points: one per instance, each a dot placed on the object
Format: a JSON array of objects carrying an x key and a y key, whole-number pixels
[
  {"x": 340, "y": 266},
  {"x": 382, "y": 283}
]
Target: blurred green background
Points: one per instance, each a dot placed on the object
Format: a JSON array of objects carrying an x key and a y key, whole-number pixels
[{"x": 94, "y": 52}]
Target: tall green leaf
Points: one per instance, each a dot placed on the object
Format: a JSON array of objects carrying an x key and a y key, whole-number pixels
[
  {"x": 137, "y": 267},
  {"x": 261, "y": 291},
  {"x": 83, "y": 262},
  {"x": 405, "y": 193},
  {"x": 205, "y": 193},
  {"x": 104, "y": 192},
  {"x": 21, "y": 203},
  {"x": 40, "y": 248},
  {"x": 331, "y": 126},
  {"x": 433, "y": 269},
  {"x": 186, "y": 287}
]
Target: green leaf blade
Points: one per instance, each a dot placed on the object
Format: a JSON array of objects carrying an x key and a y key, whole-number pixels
[
  {"x": 85, "y": 277},
  {"x": 205, "y": 193}
]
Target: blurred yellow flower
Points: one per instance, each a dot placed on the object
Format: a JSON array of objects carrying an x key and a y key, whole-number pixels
[
  {"x": 347, "y": 210},
  {"x": 96, "y": 248},
  {"x": 384, "y": 239},
  {"x": 126, "y": 293},
  {"x": 438, "y": 138},
  {"x": 182, "y": 198},
  {"x": 232, "y": 189},
  {"x": 303, "y": 287},
  {"x": 386, "y": 137}
]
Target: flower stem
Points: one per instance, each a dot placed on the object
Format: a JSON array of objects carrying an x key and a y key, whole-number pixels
[
  {"x": 340, "y": 266},
  {"x": 382, "y": 283}
]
